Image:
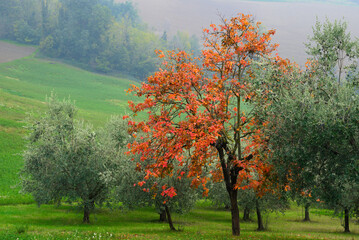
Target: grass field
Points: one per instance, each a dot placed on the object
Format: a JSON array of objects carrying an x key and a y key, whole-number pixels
[
  {"x": 24, "y": 85},
  {"x": 97, "y": 96},
  {"x": 64, "y": 222}
]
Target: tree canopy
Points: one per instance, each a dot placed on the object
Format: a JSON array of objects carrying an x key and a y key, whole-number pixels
[
  {"x": 196, "y": 113},
  {"x": 313, "y": 131},
  {"x": 64, "y": 160}
]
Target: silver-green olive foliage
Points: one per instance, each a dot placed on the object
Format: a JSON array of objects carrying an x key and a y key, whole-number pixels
[
  {"x": 335, "y": 50},
  {"x": 64, "y": 159},
  {"x": 314, "y": 130}
]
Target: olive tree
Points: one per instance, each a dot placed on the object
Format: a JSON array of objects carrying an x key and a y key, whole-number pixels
[
  {"x": 131, "y": 190},
  {"x": 332, "y": 46},
  {"x": 314, "y": 138},
  {"x": 64, "y": 160}
]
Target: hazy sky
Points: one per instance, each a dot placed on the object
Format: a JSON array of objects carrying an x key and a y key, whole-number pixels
[{"x": 293, "y": 20}]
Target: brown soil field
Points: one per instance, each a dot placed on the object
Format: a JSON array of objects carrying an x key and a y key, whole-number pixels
[{"x": 10, "y": 52}]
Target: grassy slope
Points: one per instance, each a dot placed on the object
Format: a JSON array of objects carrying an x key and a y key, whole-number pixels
[
  {"x": 98, "y": 95},
  {"x": 24, "y": 85}
]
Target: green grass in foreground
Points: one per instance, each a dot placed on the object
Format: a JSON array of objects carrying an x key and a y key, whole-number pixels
[{"x": 50, "y": 222}]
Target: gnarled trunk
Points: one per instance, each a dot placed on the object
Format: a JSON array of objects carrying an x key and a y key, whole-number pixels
[
  {"x": 246, "y": 214},
  {"x": 346, "y": 220},
  {"x": 306, "y": 213},
  {"x": 259, "y": 217},
  {"x": 169, "y": 218}
]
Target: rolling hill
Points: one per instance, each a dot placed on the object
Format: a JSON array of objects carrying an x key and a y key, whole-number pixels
[{"x": 24, "y": 85}]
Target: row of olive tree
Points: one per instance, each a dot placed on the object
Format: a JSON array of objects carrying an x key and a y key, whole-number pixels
[
  {"x": 68, "y": 160},
  {"x": 314, "y": 122}
]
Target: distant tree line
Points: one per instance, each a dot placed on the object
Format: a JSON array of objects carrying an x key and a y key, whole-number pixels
[{"x": 100, "y": 34}]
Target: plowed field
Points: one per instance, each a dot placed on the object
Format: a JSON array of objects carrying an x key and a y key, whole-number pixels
[{"x": 9, "y": 52}]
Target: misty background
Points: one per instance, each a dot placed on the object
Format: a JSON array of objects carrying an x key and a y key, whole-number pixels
[
  {"x": 293, "y": 20},
  {"x": 119, "y": 37}
]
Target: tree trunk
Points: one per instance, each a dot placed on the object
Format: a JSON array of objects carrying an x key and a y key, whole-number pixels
[
  {"x": 346, "y": 220},
  {"x": 230, "y": 175},
  {"x": 163, "y": 217},
  {"x": 306, "y": 214},
  {"x": 88, "y": 206},
  {"x": 169, "y": 218},
  {"x": 246, "y": 214},
  {"x": 234, "y": 212},
  {"x": 259, "y": 217},
  {"x": 58, "y": 202},
  {"x": 86, "y": 218}
]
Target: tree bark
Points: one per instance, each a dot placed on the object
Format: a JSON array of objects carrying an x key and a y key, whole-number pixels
[
  {"x": 306, "y": 213},
  {"x": 259, "y": 217},
  {"x": 88, "y": 206},
  {"x": 346, "y": 220},
  {"x": 86, "y": 218},
  {"x": 246, "y": 214},
  {"x": 163, "y": 217},
  {"x": 234, "y": 212},
  {"x": 169, "y": 219},
  {"x": 230, "y": 174}
]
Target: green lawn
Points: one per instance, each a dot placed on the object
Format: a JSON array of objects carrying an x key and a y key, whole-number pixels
[{"x": 50, "y": 222}]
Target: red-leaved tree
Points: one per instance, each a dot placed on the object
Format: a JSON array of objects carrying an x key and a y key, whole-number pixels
[{"x": 202, "y": 115}]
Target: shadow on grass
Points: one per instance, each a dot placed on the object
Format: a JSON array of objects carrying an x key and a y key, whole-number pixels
[{"x": 302, "y": 221}]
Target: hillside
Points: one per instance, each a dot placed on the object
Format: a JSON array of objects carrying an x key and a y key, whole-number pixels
[{"x": 24, "y": 84}]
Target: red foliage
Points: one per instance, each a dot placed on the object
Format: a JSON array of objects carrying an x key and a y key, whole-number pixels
[{"x": 194, "y": 111}]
